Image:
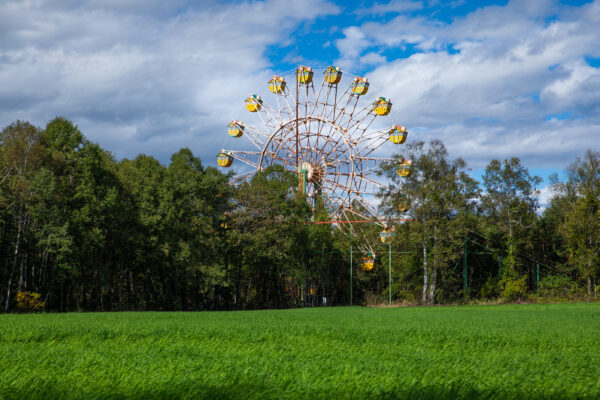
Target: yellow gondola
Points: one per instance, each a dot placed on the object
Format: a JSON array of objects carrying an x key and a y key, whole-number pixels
[
  {"x": 333, "y": 75},
  {"x": 304, "y": 75},
  {"x": 224, "y": 160},
  {"x": 404, "y": 169},
  {"x": 387, "y": 235},
  {"x": 398, "y": 134},
  {"x": 235, "y": 128},
  {"x": 367, "y": 263},
  {"x": 382, "y": 106},
  {"x": 253, "y": 103},
  {"x": 360, "y": 86},
  {"x": 277, "y": 84},
  {"x": 402, "y": 204}
]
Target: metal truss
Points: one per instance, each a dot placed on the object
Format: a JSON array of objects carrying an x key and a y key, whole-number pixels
[{"x": 332, "y": 127}]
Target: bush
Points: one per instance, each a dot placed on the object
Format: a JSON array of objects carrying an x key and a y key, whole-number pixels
[
  {"x": 29, "y": 301},
  {"x": 490, "y": 289},
  {"x": 558, "y": 287},
  {"x": 513, "y": 284},
  {"x": 514, "y": 289}
]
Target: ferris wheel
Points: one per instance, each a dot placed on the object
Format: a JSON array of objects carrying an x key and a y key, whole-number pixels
[{"x": 327, "y": 134}]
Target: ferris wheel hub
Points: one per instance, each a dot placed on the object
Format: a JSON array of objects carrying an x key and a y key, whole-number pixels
[{"x": 314, "y": 171}]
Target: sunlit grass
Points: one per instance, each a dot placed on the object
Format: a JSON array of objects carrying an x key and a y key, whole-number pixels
[{"x": 512, "y": 351}]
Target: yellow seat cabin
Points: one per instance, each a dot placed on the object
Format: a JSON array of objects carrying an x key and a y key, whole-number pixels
[
  {"x": 333, "y": 75},
  {"x": 382, "y": 106},
  {"x": 277, "y": 84},
  {"x": 224, "y": 160},
  {"x": 367, "y": 263},
  {"x": 235, "y": 128},
  {"x": 402, "y": 204},
  {"x": 360, "y": 86},
  {"x": 405, "y": 169},
  {"x": 253, "y": 103},
  {"x": 304, "y": 75},
  {"x": 398, "y": 134}
]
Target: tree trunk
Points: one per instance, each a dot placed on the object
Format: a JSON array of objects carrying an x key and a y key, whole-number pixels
[
  {"x": 15, "y": 259},
  {"x": 22, "y": 275},
  {"x": 433, "y": 271},
  {"x": 432, "y": 286},
  {"x": 425, "y": 273}
]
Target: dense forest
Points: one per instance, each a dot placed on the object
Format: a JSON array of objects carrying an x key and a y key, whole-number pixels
[{"x": 80, "y": 230}]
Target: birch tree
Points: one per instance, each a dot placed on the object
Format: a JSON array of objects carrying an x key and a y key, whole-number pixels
[
  {"x": 441, "y": 193},
  {"x": 581, "y": 223}
]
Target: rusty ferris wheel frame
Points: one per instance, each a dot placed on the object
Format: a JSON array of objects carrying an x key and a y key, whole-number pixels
[{"x": 323, "y": 134}]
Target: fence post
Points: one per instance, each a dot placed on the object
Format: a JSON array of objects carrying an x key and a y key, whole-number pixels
[
  {"x": 465, "y": 276},
  {"x": 390, "y": 257},
  {"x": 350, "y": 264}
]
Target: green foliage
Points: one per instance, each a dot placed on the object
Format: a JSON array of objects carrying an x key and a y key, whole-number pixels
[
  {"x": 441, "y": 195},
  {"x": 89, "y": 232},
  {"x": 490, "y": 290},
  {"x": 467, "y": 352},
  {"x": 559, "y": 287},
  {"x": 580, "y": 224},
  {"x": 512, "y": 283},
  {"x": 514, "y": 289}
]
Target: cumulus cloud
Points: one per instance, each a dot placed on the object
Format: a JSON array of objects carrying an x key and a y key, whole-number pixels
[
  {"x": 488, "y": 83},
  {"x": 394, "y": 6},
  {"x": 141, "y": 76}
]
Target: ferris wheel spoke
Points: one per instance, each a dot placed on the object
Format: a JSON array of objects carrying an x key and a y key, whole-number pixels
[
  {"x": 244, "y": 156},
  {"x": 356, "y": 119},
  {"x": 339, "y": 191},
  {"x": 337, "y": 114},
  {"x": 364, "y": 244},
  {"x": 289, "y": 100},
  {"x": 271, "y": 116},
  {"x": 359, "y": 130},
  {"x": 372, "y": 141},
  {"x": 260, "y": 135},
  {"x": 374, "y": 185},
  {"x": 325, "y": 102},
  {"x": 316, "y": 97},
  {"x": 367, "y": 207},
  {"x": 283, "y": 108},
  {"x": 324, "y": 129},
  {"x": 366, "y": 150},
  {"x": 238, "y": 179},
  {"x": 252, "y": 136}
]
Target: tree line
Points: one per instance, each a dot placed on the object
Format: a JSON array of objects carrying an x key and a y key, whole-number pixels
[{"x": 80, "y": 230}]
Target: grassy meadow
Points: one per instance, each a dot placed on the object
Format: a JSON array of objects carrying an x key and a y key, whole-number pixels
[{"x": 458, "y": 352}]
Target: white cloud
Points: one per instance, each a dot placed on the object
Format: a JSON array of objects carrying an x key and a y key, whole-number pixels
[
  {"x": 394, "y": 6},
  {"x": 486, "y": 83},
  {"x": 545, "y": 195},
  {"x": 140, "y": 76}
]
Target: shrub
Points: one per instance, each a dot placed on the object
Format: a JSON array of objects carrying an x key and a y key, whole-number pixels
[
  {"x": 514, "y": 289},
  {"x": 513, "y": 284},
  {"x": 29, "y": 301},
  {"x": 490, "y": 289},
  {"x": 558, "y": 287}
]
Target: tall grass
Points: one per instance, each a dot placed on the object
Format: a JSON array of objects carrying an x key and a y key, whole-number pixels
[{"x": 495, "y": 352}]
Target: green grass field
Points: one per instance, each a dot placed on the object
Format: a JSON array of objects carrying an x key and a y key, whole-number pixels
[{"x": 511, "y": 351}]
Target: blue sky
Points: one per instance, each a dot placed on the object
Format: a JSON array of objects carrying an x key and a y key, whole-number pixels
[{"x": 492, "y": 79}]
